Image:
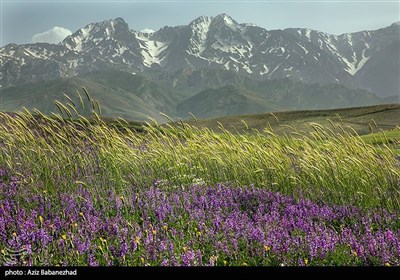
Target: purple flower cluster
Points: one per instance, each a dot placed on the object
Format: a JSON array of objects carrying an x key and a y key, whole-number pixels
[{"x": 197, "y": 225}]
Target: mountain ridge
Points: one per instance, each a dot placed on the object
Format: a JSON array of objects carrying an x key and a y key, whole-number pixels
[{"x": 211, "y": 42}]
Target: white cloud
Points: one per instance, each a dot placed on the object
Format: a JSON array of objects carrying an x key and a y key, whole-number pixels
[
  {"x": 53, "y": 36},
  {"x": 147, "y": 30}
]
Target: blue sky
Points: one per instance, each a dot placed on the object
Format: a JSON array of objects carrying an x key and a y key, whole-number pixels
[{"x": 22, "y": 19}]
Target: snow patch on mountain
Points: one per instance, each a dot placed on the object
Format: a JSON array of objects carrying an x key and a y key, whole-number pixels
[
  {"x": 198, "y": 40},
  {"x": 276, "y": 67},
  {"x": 119, "y": 51},
  {"x": 303, "y": 48},
  {"x": 152, "y": 51},
  {"x": 355, "y": 65},
  {"x": 30, "y": 53},
  {"x": 363, "y": 60},
  {"x": 79, "y": 38},
  {"x": 265, "y": 70},
  {"x": 226, "y": 65}
]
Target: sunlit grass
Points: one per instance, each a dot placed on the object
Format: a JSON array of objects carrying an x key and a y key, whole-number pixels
[
  {"x": 108, "y": 170},
  {"x": 383, "y": 137},
  {"x": 330, "y": 164}
]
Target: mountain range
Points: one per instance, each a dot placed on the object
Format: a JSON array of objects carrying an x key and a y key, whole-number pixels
[{"x": 232, "y": 67}]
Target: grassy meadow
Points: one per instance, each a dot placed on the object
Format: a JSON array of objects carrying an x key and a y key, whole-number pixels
[{"x": 79, "y": 192}]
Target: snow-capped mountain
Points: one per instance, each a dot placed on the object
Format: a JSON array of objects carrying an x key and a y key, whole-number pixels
[{"x": 215, "y": 42}]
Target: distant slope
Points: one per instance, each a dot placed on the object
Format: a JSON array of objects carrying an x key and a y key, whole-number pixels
[
  {"x": 302, "y": 96},
  {"x": 273, "y": 96},
  {"x": 120, "y": 95},
  {"x": 138, "y": 97},
  {"x": 225, "y": 101},
  {"x": 380, "y": 72},
  {"x": 193, "y": 81},
  {"x": 360, "y": 118},
  {"x": 158, "y": 97}
]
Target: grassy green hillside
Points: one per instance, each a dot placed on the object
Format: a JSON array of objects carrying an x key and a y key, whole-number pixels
[{"x": 362, "y": 119}]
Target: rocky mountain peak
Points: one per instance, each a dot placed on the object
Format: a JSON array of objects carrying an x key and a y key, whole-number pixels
[
  {"x": 94, "y": 33},
  {"x": 217, "y": 42},
  {"x": 224, "y": 19},
  {"x": 202, "y": 20}
]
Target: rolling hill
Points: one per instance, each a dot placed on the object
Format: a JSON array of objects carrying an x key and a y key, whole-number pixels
[
  {"x": 138, "y": 97},
  {"x": 226, "y": 101},
  {"x": 362, "y": 119},
  {"x": 120, "y": 94}
]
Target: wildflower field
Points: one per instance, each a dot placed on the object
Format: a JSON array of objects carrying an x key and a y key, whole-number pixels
[{"x": 75, "y": 192}]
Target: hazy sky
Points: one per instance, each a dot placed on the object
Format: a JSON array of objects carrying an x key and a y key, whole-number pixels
[{"x": 21, "y": 20}]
